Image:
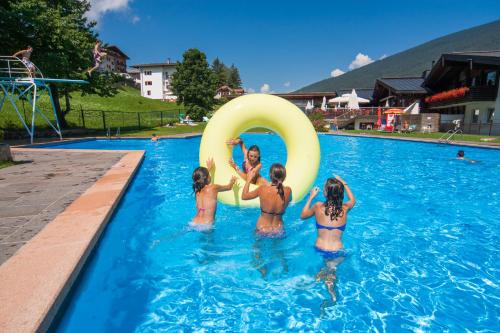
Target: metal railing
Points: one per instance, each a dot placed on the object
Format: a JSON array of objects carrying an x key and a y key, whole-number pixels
[
  {"x": 124, "y": 120},
  {"x": 14, "y": 68}
]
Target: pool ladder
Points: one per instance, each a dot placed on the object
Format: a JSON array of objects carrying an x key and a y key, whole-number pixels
[{"x": 448, "y": 136}]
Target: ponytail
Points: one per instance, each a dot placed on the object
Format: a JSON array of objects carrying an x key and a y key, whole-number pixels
[
  {"x": 334, "y": 198},
  {"x": 200, "y": 179},
  {"x": 278, "y": 175}
]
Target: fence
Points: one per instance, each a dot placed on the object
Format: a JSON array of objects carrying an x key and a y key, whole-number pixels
[
  {"x": 100, "y": 119},
  {"x": 481, "y": 128}
]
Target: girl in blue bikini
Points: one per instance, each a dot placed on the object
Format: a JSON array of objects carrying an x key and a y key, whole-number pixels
[{"x": 331, "y": 219}]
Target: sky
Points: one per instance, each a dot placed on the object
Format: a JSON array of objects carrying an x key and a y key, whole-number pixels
[{"x": 281, "y": 46}]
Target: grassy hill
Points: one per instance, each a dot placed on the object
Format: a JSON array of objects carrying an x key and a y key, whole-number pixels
[
  {"x": 414, "y": 61},
  {"x": 128, "y": 100}
]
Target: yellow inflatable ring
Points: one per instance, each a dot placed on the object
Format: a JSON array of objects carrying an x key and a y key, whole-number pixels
[{"x": 271, "y": 112}]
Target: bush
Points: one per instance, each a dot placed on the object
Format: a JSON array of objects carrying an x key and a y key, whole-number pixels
[
  {"x": 318, "y": 121},
  {"x": 196, "y": 112}
]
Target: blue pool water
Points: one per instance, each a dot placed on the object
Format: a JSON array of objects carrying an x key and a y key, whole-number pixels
[{"x": 422, "y": 242}]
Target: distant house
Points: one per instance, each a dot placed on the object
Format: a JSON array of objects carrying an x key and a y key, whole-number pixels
[
  {"x": 228, "y": 92},
  {"x": 465, "y": 86},
  {"x": 115, "y": 61},
  {"x": 135, "y": 74},
  {"x": 398, "y": 91},
  {"x": 156, "y": 79}
]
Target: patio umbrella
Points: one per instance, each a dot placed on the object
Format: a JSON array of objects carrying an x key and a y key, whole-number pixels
[
  {"x": 323, "y": 105},
  {"x": 353, "y": 101},
  {"x": 394, "y": 111},
  {"x": 379, "y": 117}
]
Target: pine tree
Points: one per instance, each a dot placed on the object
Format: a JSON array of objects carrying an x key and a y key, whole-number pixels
[
  {"x": 234, "y": 80},
  {"x": 221, "y": 72}
]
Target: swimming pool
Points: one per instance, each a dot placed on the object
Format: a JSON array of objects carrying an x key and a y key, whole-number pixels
[{"x": 422, "y": 244}]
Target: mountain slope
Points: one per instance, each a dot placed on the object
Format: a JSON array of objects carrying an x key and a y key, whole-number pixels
[{"x": 414, "y": 61}]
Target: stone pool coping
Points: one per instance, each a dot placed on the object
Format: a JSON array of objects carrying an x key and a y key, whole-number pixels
[
  {"x": 487, "y": 145},
  {"x": 36, "y": 280}
]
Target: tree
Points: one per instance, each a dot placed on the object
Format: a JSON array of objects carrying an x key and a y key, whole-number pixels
[
  {"x": 221, "y": 72},
  {"x": 62, "y": 40},
  {"x": 194, "y": 83},
  {"x": 234, "y": 80}
]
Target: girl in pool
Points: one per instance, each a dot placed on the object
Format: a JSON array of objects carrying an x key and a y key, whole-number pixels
[
  {"x": 331, "y": 219},
  {"x": 274, "y": 199},
  {"x": 206, "y": 194},
  {"x": 251, "y": 161}
]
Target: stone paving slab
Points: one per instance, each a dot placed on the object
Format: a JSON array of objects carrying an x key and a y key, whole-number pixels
[
  {"x": 37, "y": 279},
  {"x": 34, "y": 192}
]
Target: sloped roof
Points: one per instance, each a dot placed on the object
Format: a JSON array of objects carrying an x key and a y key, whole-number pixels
[
  {"x": 403, "y": 84},
  {"x": 361, "y": 92},
  {"x": 116, "y": 49}
]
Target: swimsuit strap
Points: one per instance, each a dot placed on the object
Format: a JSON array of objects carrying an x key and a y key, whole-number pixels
[
  {"x": 319, "y": 226},
  {"x": 271, "y": 213}
]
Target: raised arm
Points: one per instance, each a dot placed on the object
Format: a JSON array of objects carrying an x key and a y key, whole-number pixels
[
  {"x": 352, "y": 200},
  {"x": 247, "y": 194},
  {"x": 308, "y": 211},
  {"x": 237, "y": 169},
  {"x": 18, "y": 53},
  {"x": 228, "y": 187}
]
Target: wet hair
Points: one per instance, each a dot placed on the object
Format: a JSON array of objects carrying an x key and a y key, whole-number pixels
[
  {"x": 277, "y": 173},
  {"x": 254, "y": 148},
  {"x": 461, "y": 153},
  {"x": 334, "y": 198},
  {"x": 200, "y": 179}
]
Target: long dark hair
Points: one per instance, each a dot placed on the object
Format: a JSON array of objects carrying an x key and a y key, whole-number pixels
[
  {"x": 334, "y": 198},
  {"x": 200, "y": 179},
  {"x": 254, "y": 148},
  {"x": 277, "y": 173}
]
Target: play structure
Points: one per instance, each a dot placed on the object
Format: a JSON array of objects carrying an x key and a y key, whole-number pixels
[
  {"x": 271, "y": 112},
  {"x": 17, "y": 83}
]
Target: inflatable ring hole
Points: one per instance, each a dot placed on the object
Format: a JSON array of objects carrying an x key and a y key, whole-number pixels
[{"x": 272, "y": 150}]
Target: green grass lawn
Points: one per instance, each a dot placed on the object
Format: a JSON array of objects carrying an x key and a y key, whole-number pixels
[
  {"x": 437, "y": 135},
  {"x": 128, "y": 100},
  {"x": 177, "y": 129},
  {"x": 4, "y": 164}
]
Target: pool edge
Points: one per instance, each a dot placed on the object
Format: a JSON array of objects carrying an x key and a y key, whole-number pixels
[{"x": 36, "y": 280}]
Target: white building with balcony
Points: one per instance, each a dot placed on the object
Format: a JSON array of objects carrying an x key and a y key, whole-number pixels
[{"x": 156, "y": 79}]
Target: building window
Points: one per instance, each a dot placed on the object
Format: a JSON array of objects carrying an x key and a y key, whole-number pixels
[
  {"x": 149, "y": 92},
  {"x": 491, "y": 114},
  {"x": 147, "y": 72},
  {"x": 475, "y": 116},
  {"x": 149, "y": 83},
  {"x": 491, "y": 78}
]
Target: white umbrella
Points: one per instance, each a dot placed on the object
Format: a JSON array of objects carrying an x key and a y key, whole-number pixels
[
  {"x": 353, "y": 101},
  {"x": 323, "y": 105},
  {"x": 345, "y": 99},
  {"x": 308, "y": 106}
]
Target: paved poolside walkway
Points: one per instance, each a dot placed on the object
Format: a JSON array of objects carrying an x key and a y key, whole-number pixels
[{"x": 34, "y": 192}]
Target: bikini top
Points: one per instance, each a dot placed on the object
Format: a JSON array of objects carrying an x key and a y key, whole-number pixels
[{"x": 319, "y": 226}]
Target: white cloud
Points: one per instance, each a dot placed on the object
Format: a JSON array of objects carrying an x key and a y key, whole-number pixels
[
  {"x": 250, "y": 90},
  {"x": 287, "y": 84},
  {"x": 383, "y": 56},
  {"x": 265, "y": 89},
  {"x": 336, "y": 72},
  {"x": 100, "y": 7},
  {"x": 360, "y": 61},
  {"x": 135, "y": 19}
]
